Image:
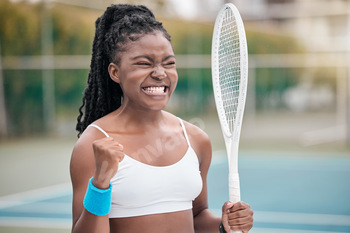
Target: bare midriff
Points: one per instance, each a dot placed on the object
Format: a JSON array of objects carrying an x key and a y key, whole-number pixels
[{"x": 175, "y": 222}]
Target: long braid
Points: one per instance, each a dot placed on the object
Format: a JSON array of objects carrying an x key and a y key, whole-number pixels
[{"x": 118, "y": 25}]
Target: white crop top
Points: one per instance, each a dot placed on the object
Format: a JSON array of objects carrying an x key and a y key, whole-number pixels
[{"x": 141, "y": 189}]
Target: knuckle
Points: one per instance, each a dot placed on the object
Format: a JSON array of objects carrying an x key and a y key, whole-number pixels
[
  {"x": 240, "y": 204},
  {"x": 239, "y": 221},
  {"x": 250, "y": 226},
  {"x": 95, "y": 143},
  {"x": 240, "y": 214}
]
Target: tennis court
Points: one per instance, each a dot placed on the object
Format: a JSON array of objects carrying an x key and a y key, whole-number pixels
[
  {"x": 290, "y": 193},
  {"x": 294, "y": 157}
]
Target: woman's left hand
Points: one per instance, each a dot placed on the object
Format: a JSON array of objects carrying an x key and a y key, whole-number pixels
[{"x": 237, "y": 216}]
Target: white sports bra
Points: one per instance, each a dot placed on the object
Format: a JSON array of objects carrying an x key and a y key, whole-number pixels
[{"x": 141, "y": 189}]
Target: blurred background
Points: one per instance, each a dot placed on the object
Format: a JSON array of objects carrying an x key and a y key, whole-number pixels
[{"x": 297, "y": 112}]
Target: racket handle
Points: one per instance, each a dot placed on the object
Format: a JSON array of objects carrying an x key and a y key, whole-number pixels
[
  {"x": 234, "y": 190},
  {"x": 234, "y": 187}
]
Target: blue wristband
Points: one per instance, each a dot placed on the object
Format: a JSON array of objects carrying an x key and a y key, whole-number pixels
[{"x": 98, "y": 201}]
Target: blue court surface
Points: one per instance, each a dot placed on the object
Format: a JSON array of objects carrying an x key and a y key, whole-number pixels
[{"x": 288, "y": 194}]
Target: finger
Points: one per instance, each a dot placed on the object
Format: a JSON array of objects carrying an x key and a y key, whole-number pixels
[
  {"x": 239, "y": 206},
  {"x": 243, "y": 228},
  {"x": 240, "y": 213},
  {"x": 225, "y": 212},
  {"x": 117, "y": 146},
  {"x": 226, "y": 207},
  {"x": 240, "y": 221},
  {"x": 115, "y": 143},
  {"x": 106, "y": 139},
  {"x": 120, "y": 146},
  {"x": 106, "y": 143},
  {"x": 120, "y": 155},
  {"x": 101, "y": 143}
]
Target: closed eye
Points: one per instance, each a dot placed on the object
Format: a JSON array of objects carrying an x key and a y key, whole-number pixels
[
  {"x": 170, "y": 64},
  {"x": 143, "y": 64}
]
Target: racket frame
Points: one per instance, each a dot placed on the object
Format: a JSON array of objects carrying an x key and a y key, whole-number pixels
[{"x": 231, "y": 138}]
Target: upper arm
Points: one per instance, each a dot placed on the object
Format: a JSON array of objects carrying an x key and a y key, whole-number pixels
[
  {"x": 202, "y": 146},
  {"x": 82, "y": 167}
]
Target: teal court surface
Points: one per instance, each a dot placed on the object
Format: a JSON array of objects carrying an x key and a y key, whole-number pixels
[{"x": 288, "y": 194}]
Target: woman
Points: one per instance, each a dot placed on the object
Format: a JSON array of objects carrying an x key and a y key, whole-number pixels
[{"x": 136, "y": 167}]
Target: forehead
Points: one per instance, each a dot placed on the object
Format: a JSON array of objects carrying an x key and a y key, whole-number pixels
[{"x": 153, "y": 43}]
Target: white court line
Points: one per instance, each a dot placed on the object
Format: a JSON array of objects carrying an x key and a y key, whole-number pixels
[
  {"x": 42, "y": 208},
  {"x": 299, "y": 218},
  {"x": 277, "y": 230},
  {"x": 65, "y": 189},
  {"x": 286, "y": 163},
  {"x": 302, "y": 218},
  {"x": 54, "y": 224},
  {"x": 35, "y": 222},
  {"x": 35, "y": 195},
  {"x": 325, "y": 135}
]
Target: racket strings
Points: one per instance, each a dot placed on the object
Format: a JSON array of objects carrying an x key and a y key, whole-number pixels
[{"x": 229, "y": 67}]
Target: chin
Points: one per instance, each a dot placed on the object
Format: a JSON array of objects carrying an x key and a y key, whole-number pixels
[
  {"x": 157, "y": 108},
  {"x": 157, "y": 105}
]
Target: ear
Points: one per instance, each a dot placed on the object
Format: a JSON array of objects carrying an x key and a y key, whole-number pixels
[{"x": 113, "y": 71}]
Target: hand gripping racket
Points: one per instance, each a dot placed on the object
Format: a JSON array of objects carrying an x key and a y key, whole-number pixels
[{"x": 230, "y": 77}]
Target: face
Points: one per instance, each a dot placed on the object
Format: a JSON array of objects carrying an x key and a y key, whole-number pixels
[{"x": 146, "y": 72}]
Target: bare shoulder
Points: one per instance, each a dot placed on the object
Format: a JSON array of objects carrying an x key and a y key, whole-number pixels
[
  {"x": 82, "y": 164},
  {"x": 196, "y": 134},
  {"x": 200, "y": 141}
]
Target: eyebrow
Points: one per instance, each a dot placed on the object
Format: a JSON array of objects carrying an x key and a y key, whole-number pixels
[{"x": 149, "y": 58}]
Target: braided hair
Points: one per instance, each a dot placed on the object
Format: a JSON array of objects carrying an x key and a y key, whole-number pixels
[{"x": 120, "y": 24}]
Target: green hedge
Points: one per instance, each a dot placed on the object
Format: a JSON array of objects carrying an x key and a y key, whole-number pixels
[{"x": 73, "y": 29}]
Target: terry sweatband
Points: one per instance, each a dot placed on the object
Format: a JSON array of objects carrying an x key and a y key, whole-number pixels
[{"x": 98, "y": 201}]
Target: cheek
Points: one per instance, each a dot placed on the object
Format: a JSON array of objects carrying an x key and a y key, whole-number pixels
[
  {"x": 130, "y": 79},
  {"x": 173, "y": 78}
]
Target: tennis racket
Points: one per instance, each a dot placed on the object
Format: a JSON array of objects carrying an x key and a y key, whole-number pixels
[{"x": 230, "y": 77}]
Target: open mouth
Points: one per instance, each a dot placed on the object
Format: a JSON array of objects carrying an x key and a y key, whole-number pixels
[{"x": 155, "y": 90}]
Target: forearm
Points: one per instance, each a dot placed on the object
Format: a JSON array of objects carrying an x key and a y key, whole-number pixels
[
  {"x": 206, "y": 222},
  {"x": 90, "y": 223}
]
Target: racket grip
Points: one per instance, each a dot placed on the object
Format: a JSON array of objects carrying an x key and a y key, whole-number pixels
[
  {"x": 234, "y": 191},
  {"x": 234, "y": 187}
]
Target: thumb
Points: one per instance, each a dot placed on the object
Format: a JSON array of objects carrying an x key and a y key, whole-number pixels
[
  {"x": 225, "y": 211},
  {"x": 226, "y": 207}
]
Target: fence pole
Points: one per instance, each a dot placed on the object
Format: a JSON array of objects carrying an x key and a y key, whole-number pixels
[
  {"x": 47, "y": 63},
  {"x": 3, "y": 117},
  {"x": 348, "y": 104}
]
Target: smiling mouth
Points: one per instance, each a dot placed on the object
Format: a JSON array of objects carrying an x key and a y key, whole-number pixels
[{"x": 155, "y": 90}]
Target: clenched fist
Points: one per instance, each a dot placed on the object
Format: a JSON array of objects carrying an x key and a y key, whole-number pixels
[
  {"x": 108, "y": 154},
  {"x": 237, "y": 216}
]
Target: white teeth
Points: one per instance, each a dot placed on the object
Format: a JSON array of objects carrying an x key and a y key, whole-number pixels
[{"x": 154, "y": 90}]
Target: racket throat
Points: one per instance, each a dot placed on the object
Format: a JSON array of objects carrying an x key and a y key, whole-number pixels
[{"x": 233, "y": 157}]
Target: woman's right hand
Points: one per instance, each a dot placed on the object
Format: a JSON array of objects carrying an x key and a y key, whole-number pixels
[{"x": 108, "y": 154}]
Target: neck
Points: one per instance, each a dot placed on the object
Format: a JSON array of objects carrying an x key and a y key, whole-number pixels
[{"x": 138, "y": 119}]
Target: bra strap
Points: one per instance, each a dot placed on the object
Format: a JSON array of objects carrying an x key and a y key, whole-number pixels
[
  {"x": 185, "y": 133},
  {"x": 100, "y": 129}
]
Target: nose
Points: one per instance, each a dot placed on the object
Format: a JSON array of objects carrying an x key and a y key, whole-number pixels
[{"x": 158, "y": 73}]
